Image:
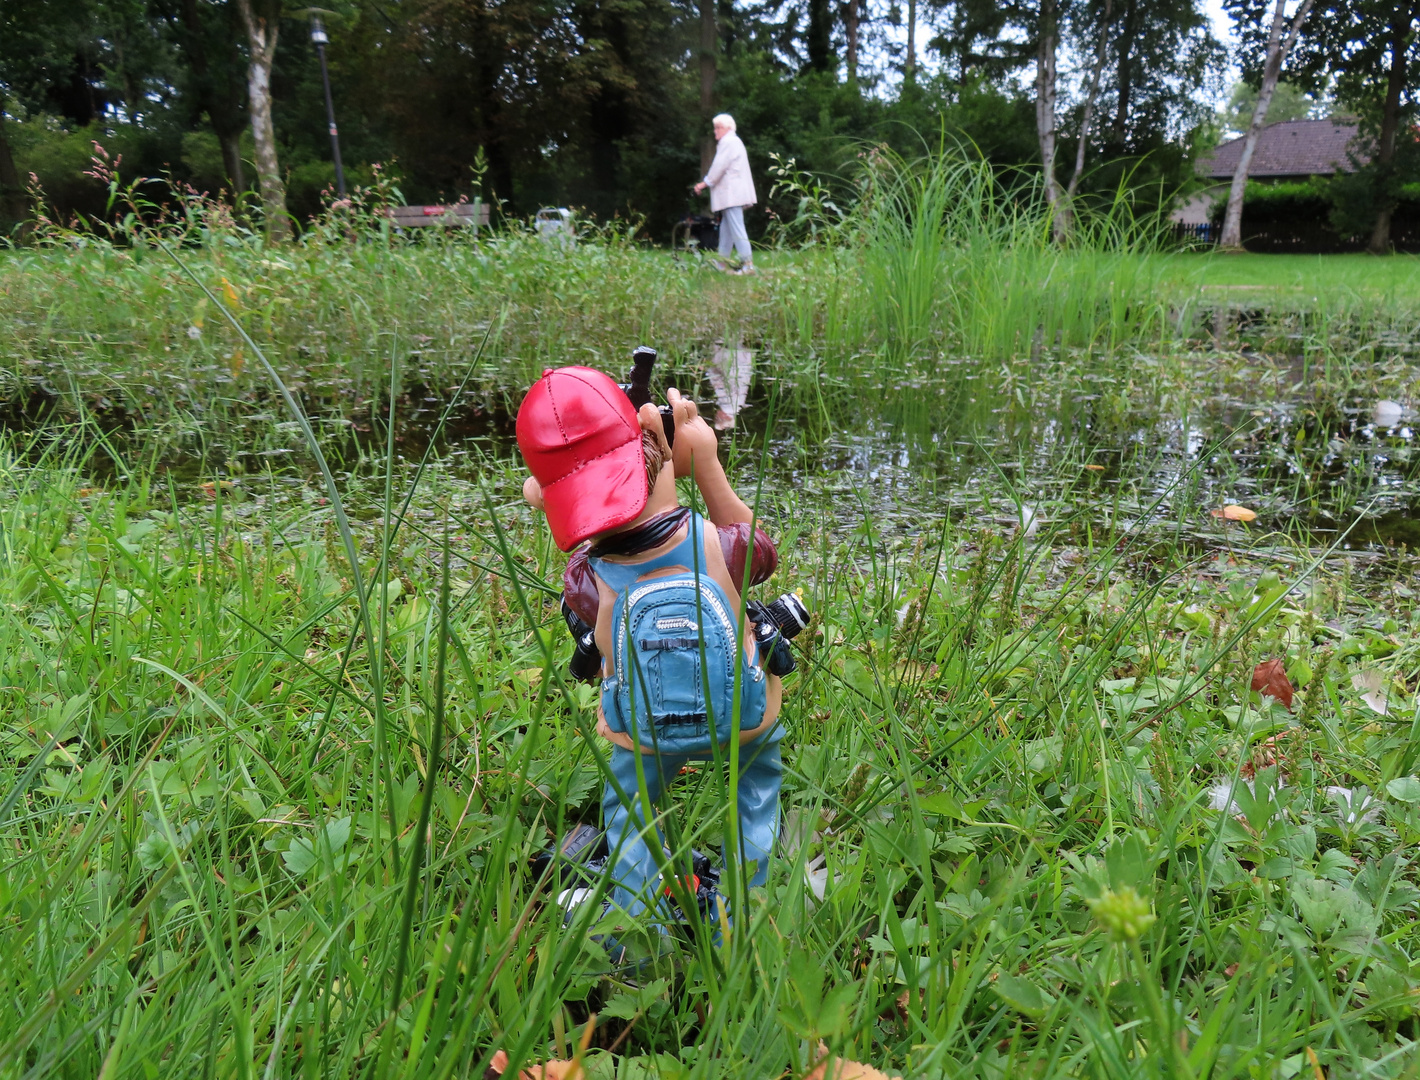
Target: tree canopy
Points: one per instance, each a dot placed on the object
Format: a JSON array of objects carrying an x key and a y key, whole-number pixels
[{"x": 602, "y": 104}]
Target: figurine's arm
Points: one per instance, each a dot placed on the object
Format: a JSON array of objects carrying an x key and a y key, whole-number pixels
[{"x": 695, "y": 454}]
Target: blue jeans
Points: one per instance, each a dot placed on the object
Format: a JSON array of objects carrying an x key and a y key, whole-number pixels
[
  {"x": 757, "y": 798},
  {"x": 733, "y": 235}
]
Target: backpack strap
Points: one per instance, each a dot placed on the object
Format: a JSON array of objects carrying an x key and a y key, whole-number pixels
[{"x": 689, "y": 553}]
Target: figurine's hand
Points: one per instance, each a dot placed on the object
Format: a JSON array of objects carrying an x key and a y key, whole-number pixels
[{"x": 694, "y": 438}]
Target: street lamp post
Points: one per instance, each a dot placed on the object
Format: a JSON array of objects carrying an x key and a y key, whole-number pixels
[{"x": 319, "y": 36}]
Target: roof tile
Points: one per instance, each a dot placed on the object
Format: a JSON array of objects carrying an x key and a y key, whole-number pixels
[{"x": 1291, "y": 148}]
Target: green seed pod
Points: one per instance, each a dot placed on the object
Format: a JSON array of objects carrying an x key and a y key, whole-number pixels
[{"x": 1123, "y": 913}]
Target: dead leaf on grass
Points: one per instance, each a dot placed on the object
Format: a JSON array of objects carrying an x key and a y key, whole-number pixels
[
  {"x": 1270, "y": 678},
  {"x": 1234, "y": 512},
  {"x": 843, "y": 1069},
  {"x": 550, "y": 1070},
  {"x": 556, "y": 1069}
]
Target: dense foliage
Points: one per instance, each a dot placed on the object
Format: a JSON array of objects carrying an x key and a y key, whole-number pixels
[{"x": 576, "y": 102}]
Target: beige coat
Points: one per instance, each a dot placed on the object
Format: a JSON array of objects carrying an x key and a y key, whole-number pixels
[{"x": 728, "y": 179}]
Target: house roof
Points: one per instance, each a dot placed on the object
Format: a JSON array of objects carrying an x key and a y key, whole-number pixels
[{"x": 1291, "y": 148}]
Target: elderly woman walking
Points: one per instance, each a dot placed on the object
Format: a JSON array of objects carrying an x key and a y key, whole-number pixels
[{"x": 731, "y": 190}]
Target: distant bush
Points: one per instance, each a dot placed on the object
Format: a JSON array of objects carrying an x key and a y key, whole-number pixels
[
  {"x": 1269, "y": 204},
  {"x": 1320, "y": 214},
  {"x": 62, "y": 158}
]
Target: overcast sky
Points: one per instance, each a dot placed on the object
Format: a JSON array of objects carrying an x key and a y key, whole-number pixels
[{"x": 1222, "y": 30}]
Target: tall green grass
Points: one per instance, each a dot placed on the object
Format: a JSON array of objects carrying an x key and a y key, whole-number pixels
[
  {"x": 953, "y": 262},
  {"x": 986, "y": 733},
  {"x": 934, "y": 264}
]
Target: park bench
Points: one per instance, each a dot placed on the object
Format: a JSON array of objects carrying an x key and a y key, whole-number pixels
[{"x": 473, "y": 214}]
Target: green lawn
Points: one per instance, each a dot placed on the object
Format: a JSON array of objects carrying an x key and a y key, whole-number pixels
[{"x": 1319, "y": 274}]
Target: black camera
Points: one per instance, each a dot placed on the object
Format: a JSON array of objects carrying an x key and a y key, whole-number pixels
[
  {"x": 775, "y": 625},
  {"x": 637, "y": 388},
  {"x": 586, "y": 662}
]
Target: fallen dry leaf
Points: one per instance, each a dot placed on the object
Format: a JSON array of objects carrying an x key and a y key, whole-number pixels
[
  {"x": 1234, "y": 512},
  {"x": 843, "y": 1069},
  {"x": 210, "y": 487},
  {"x": 551, "y": 1070},
  {"x": 1095, "y": 468},
  {"x": 557, "y": 1069},
  {"x": 1270, "y": 678}
]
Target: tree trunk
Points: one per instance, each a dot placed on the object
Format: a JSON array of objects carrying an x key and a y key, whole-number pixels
[
  {"x": 909, "y": 69},
  {"x": 132, "y": 95},
  {"x": 216, "y": 103},
  {"x": 1390, "y": 122},
  {"x": 1045, "y": 84},
  {"x": 231, "y": 144},
  {"x": 1125, "y": 72},
  {"x": 1277, "y": 49},
  {"x": 850, "y": 38},
  {"x": 1089, "y": 110},
  {"x": 12, "y": 192},
  {"x": 818, "y": 41},
  {"x": 707, "y": 81},
  {"x": 261, "y": 39}
]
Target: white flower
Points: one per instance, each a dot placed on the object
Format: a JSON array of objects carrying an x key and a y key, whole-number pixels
[
  {"x": 1387, "y": 413},
  {"x": 1030, "y": 521},
  {"x": 194, "y": 332}
]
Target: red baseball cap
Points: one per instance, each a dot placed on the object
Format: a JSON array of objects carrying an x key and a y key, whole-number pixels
[{"x": 581, "y": 439}]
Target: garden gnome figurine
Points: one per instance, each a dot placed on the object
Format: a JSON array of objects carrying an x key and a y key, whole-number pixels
[{"x": 656, "y": 606}]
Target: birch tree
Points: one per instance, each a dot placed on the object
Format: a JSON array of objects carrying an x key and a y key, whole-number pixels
[
  {"x": 1046, "y": 128},
  {"x": 1280, "y": 39},
  {"x": 262, "y": 21},
  {"x": 1092, "y": 90}
]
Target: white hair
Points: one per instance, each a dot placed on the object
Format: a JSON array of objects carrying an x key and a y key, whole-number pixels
[{"x": 724, "y": 119}]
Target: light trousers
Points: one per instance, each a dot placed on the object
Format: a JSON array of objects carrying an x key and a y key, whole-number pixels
[
  {"x": 733, "y": 235},
  {"x": 756, "y": 797}
]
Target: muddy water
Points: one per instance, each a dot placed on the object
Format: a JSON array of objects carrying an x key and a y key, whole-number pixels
[
  {"x": 1091, "y": 447},
  {"x": 1343, "y": 470}
]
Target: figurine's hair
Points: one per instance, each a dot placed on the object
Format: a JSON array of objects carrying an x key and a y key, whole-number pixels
[{"x": 655, "y": 458}]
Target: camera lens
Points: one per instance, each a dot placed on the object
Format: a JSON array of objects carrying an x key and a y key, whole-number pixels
[
  {"x": 774, "y": 653},
  {"x": 789, "y": 614}
]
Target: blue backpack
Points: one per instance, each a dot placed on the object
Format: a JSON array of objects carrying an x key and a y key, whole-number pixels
[{"x": 675, "y": 640}]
